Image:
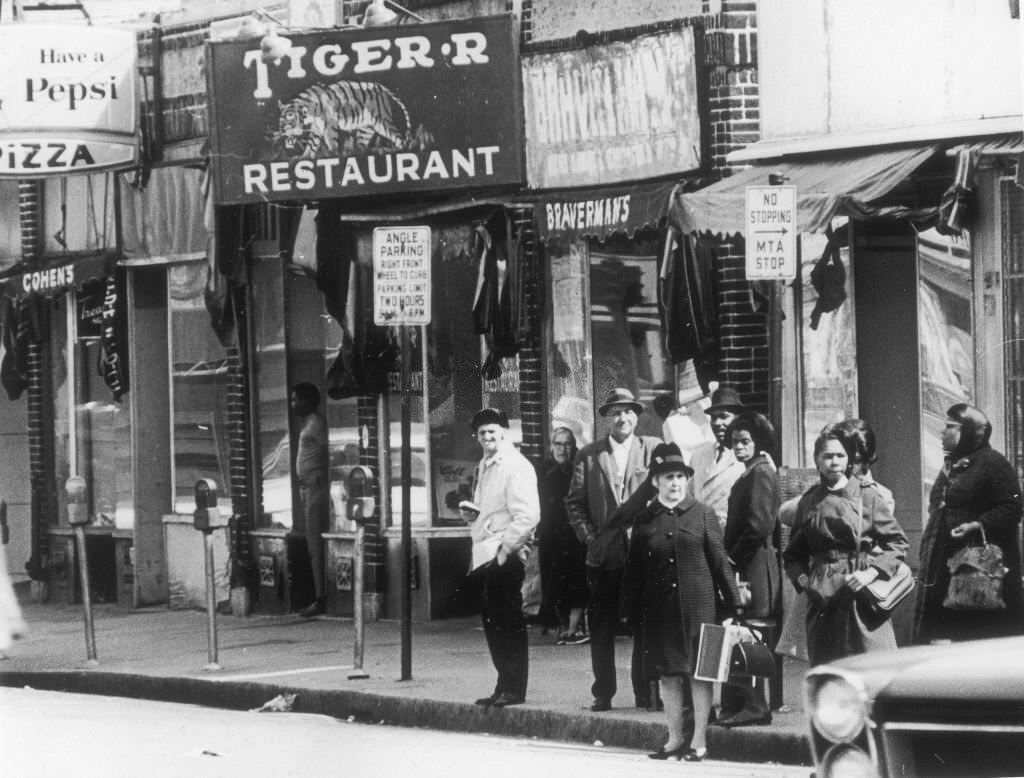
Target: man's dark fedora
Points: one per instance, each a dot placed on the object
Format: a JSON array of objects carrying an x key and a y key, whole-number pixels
[
  {"x": 620, "y": 396},
  {"x": 725, "y": 398},
  {"x": 489, "y": 416}
]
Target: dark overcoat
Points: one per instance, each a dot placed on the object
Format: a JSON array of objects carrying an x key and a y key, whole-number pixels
[
  {"x": 982, "y": 487},
  {"x": 592, "y": 503},
  {"x": 750, "y": 535},
  {"x": 676, "y": 566}
]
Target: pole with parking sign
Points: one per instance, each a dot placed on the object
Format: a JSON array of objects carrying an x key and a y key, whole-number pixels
[{"x": 401, "y": 298}]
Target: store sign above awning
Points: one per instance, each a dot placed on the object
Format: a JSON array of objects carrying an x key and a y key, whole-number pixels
[
  {"x": 600, "y": 213},
  {"x": 618, "y": 111},
  {"x": 67, "y": 99},
  {"x": 349, "y": 112},
  {"x": 58, "y": 276}
]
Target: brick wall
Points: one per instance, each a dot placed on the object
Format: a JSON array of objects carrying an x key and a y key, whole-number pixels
[{"x": 733, "y": 105}]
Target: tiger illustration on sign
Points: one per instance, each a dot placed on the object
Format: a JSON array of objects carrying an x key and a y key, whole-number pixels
[{"x": 345, "y": 118}]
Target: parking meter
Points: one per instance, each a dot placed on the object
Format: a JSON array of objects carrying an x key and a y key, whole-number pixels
[
  {"x": 75, "y": 489},
  {"x": 207, "y": 515},
  {"x": 361, "y": 501}
]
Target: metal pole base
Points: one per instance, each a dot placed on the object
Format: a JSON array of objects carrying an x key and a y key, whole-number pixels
[
  {"x": 90, "y": 663},
  {"x": 211, "y": 667},
  {"x": 358, "y": 675}
]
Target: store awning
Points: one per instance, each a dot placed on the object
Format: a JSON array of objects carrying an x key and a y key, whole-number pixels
[
  {"x": 575, "y": 214},
  {"x": 836, "y": 184},
  {"x": 55, "y": 276},
  {"x": 1011, "y": 145}
]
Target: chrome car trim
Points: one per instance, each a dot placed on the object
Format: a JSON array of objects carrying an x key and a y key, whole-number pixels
[{"x": 913, "y": 726}]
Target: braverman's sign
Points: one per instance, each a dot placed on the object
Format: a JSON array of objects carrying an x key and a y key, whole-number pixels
[
  {"x": 67, "y": 99},
  {"x": 354, "y": 112}
]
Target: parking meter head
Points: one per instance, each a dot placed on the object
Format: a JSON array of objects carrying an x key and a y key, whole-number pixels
[
  {"x": 75, "y": 490},
  {"x": 361, "y": 503},
  {"x": 207, "y": 514}
]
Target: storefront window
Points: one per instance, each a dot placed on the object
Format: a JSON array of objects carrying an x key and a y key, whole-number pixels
[
  {"x": 92, "y": 431},
  {"x": 570, "y": 395},
  {"x": 199, "y": 377},
  {"x": 456, "y": 389},
  {"x": 628, "y": 346},
  {"x": 829, "y": 350},
  {"x": 946, "y": 338},
  {"x": 271, "y": 385}
]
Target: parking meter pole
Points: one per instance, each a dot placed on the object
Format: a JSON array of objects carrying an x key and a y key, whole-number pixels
[
  {"x": 211, "y": 605},
  {"x": 406, "y": 581},
  {"x": 357, "y": 605},
  {"x": 83, "y": 571},
  {"x": 206, "y": 519},
  {"x": 78, "y": 517}
]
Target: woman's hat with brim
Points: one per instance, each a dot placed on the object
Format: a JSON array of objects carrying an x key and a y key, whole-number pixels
[
  {"x": 620, "y": 396},
  {"x": 725, "y": 398},
  {"x": 668, "y": 458}
]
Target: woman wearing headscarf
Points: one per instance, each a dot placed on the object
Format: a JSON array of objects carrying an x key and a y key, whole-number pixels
[
  {"x": 750, "y": 542},
  {"x": 675, "y": 566},
  {"x": 844, "y": 537},
  {"x": 976, "y": 490}
]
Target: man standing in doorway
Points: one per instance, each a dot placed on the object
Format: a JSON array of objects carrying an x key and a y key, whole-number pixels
[
  {"x": 504, "y": 513},
  {"x": 311, "y": 458},
  {"x": 715, "y": 467},
  {"x": 605, "y": 474}
]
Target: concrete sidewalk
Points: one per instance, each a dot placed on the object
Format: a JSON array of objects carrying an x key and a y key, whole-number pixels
[{"x": 160, "y": 654}]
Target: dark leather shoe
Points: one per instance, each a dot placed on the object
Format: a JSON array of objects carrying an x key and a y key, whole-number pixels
[
  {"x": 486, "y": 701},
  {"x": 505, "y": 699},
  {"x": 601, "y": 704},
  {"x": 695, "y": 755},
  {"x": 675, "y": 753}
]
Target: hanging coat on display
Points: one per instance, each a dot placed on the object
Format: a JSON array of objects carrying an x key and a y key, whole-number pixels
[
  {"x": 829, "y": 280},
  {"x": 686, "y": 302},
  {"x": 499, "y": 307}
]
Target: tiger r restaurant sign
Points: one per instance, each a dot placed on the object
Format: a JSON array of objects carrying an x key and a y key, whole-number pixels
[
  {"x": 67, "y": 99},
  {"x": 434, "y": 106}
]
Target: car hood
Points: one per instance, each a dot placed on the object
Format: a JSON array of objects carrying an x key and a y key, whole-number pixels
[{"x": 989, "y": 669}]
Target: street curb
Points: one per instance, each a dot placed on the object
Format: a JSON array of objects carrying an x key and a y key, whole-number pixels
[{"x": 745, "y": 745}]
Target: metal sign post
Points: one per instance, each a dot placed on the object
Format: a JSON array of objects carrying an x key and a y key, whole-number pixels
[{"x": 401, "y": 298}]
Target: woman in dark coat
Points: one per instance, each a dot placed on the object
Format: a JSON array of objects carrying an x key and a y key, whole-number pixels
[
  {"x": 676, "y": 563},
  {"x": 750, "y": 542},
  {"x": 563, "y": 572},
  {"x": 843, "y": 538},
  {"x": 977, "y": 489}
]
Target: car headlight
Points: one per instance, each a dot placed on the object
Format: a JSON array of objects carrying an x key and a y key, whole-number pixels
[
  {"x": 846, "y": 761},
  {"x": 838, "y": 709}
]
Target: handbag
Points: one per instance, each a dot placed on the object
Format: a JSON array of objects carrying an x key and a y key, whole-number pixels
[
  {"x": 877, "y": 600},
  {"x": 976, "y": 578},
  {"x": 752, "y": 659}
]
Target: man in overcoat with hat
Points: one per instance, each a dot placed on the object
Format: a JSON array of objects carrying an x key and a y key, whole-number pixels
[
  {"x": 605, "y": 474},
  {"x": 502, "y": 518},
  {"x": 715, "y": 467}
]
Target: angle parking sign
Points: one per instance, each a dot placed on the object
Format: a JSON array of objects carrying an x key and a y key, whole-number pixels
[
  {"x": 401, "y": 275},
  {"x": 771, "y": 232}
]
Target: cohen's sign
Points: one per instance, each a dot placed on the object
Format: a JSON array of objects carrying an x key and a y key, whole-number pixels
[
  {"x": 67, "y": 99},
  {"x": 623, "y": 111},
  {"x": 353, "y": 112}
]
